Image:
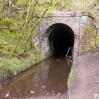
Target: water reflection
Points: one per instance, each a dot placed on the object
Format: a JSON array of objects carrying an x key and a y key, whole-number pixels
[{"x": 47, "y": 78}]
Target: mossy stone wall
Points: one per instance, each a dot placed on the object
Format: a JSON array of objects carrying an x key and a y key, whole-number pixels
[
  {"x": 90, "y": 39},
  {"x": 78, "y": 23}
]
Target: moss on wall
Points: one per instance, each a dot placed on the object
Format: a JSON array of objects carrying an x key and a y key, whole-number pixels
[
  {"x": 85, "y": 38},
  {"x": 90, "y": 39}
]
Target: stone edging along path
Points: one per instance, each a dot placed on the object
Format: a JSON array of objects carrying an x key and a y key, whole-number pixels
[{"x": 86, "y": 77}]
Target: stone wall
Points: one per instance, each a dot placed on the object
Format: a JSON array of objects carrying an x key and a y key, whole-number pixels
[
  {"x": 90, "y": 39},
  {"x": 77, "y": 23}
]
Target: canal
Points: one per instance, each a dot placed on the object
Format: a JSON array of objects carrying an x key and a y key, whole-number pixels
[{"x": 47, "y": 79}]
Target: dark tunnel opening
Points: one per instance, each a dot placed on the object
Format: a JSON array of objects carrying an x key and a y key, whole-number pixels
[{"x": 61, "y": 39}]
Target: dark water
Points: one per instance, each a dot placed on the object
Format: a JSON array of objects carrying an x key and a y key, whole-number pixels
[{"x": 47, "y": 79}]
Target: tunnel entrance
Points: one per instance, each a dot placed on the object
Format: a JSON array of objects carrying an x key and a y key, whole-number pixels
[{"x": 61, "y": 39}]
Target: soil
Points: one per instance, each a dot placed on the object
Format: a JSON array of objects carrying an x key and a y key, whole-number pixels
[{"x": 86, "y": 78}]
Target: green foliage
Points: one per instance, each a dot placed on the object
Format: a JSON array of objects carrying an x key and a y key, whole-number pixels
[
  {"x": 11, "y": 24},
  {"x": 98, "y": 1},
  {"x": 5, "y": 21},
  {"x": 23, "y": 2},
  {"x": 86, "y": 38},
  {"x": 90, "y": 14},
  {"x": 90, "y": 39},
  {"x": 2, "y": 4},
  {"x": 94, "y": 44},
  {"x": 5, "y": 32},
  {"x": 14, "y": 65},
  {"x": 17, "y": 25},
  {"x": 88, "y": 30}
]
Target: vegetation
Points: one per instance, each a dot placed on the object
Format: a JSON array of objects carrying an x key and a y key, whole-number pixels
[
  {"x": 90, "y": 39},
  {"x": 71, "y": 75},
  {"x": 17, "y": 23},
  {"x": 18, "y": 29}
]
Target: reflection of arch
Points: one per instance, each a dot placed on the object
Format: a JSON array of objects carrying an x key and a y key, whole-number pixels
[{"x": 60, "y": 37}]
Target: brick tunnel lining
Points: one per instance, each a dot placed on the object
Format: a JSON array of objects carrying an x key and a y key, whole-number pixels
[{"x": 60, "y": 39}]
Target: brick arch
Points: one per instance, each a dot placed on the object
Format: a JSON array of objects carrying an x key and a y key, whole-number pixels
[
  {"x": 77, "y": 24},
  {"x": 59, "y": 33}
]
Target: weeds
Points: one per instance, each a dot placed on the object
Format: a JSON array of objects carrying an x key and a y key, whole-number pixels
[
  {"x": 13, "y": 66},
  {"x": 71, "y": 75}
]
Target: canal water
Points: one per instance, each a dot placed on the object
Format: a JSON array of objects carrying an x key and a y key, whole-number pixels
[{"x": 46, "y": 80}]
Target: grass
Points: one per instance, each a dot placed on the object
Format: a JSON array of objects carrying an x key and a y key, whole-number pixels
[
  {"x": 12, "y": 66},
  {"x": 71, "y": 75}
]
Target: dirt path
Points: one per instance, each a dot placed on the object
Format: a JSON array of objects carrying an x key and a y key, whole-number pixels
[{"x": 86, "y": 80}]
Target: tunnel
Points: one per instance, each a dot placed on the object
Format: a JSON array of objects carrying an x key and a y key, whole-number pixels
[{"x": 61, "y": 39}]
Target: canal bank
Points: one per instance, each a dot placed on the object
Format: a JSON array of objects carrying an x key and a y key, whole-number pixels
[
  {"x": 46, "y": 80},
  {"x": 12, "y": 66},
  {"x": 85, "y": 83}
]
